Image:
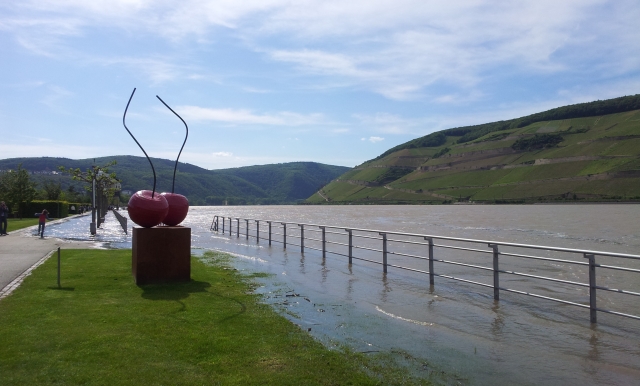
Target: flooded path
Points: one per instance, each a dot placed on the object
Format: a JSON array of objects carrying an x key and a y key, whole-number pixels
[{"x": 452, "y": 327}]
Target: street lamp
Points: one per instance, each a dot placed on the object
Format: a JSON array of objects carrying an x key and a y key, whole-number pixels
[{"x": 92, "y": 227}]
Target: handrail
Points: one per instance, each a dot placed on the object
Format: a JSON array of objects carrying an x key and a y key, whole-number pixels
[
  {"x": 121, "y": 219},
  {"x": 478, "y": 241},
  {"x": 494, "y": 250}
]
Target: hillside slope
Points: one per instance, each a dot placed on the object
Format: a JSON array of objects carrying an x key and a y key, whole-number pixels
[
  {"x": 587, "y": 158},
  {"x": 265, "y": 184}
]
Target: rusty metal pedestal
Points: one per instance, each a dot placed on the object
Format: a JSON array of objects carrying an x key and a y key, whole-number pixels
[{"x": 161, "y": 255}]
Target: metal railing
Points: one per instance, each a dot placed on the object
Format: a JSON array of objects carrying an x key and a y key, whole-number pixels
[
  {"x": 121, "y": 219},
  {"x": 406, "y": 245}
]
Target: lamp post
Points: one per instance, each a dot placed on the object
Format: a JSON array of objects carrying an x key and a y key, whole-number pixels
[{"x": 92, "y": 227}]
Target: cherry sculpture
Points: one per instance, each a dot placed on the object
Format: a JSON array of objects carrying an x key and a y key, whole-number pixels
[
  {"x": 146, "y": 208},
  {"x": 178, "y": 204}
]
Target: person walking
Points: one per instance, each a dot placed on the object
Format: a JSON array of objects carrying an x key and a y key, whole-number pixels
[
  {"x": 42, "y": 220},
  {"x": 4, "y": 214}
]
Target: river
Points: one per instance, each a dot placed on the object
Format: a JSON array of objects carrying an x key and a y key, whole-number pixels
[{"x": 453, "y": 332}]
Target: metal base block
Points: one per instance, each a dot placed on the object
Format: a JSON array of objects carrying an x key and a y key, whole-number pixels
[{"x": 161, "y": 255}]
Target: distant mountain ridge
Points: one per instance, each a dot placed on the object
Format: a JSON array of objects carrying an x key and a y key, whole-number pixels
[
  {"x": 583, "y": 152},
  {"x": 284, "y": 183}
]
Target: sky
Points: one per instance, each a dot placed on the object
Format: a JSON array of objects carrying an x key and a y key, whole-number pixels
[{"x": 273, "y": 81}]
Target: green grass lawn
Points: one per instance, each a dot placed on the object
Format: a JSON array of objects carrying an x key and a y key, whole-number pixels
[
  {"x": 15, "y": 224},
  {"x": 100, "y": 328}
]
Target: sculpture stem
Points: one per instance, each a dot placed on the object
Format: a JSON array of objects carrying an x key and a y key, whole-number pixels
[
  {"x": 153, "y": 192},
  {"x": 173, "y": 185}
]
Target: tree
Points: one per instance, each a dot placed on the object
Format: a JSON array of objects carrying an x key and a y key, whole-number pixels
[
  {"x": 18, "y": 188},
  {"x": 51, "y": 190},
  {"x": 106, "y": 184}
]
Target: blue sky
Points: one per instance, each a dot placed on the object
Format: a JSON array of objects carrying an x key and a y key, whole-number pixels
[{"x": 271, "y": 81}]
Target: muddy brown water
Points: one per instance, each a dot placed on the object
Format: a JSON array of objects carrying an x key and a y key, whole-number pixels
[{"x": 453, "y": 332}]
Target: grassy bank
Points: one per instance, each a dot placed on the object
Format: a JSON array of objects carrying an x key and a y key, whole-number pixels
[{"x": 100, "y": 328}]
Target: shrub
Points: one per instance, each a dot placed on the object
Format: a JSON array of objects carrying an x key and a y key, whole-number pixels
[
  {"x": 538, "y": 141},
  {"x": 57, "y": 209}
]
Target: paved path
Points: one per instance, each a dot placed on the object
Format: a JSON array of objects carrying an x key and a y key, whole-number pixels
[{"x": 21, "y": 249}]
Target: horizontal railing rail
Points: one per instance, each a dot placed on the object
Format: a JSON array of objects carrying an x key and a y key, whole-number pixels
[
  {"x": 121, "y": 219},
  {"x": 296, "y": 231}
]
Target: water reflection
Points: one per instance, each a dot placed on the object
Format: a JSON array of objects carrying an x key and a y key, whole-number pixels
[
  {"x": 594, "y": 354},
  {"x": 386, "y": 288},
  {"x": 498, "y": 322}
]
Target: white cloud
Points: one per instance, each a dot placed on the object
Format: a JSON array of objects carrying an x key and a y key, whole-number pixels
[
  {"x": 222, "y": 154},
  {"x": 395, "y": 48},
  {"x": 372, "y": 139},
  {"x": 247, "y": 117}
]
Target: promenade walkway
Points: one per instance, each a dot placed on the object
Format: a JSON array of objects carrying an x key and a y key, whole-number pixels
[{"x": 22, "y": 249}]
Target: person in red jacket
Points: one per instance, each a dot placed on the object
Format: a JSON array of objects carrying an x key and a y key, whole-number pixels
[{"x": 44, "y": 216}]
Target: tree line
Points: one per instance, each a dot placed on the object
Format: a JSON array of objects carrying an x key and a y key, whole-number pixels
[{"x": 18, "y": 189}]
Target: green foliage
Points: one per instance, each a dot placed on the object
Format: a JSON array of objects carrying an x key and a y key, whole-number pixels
[
  {"x": 392, "y": 174},
  {"x": 442, "y": 152},
  {"x": 590, "y": 109},
  {"x": 538, "y": 141},
  {"x": 52, "y": 190},
  {"x": 56, "y": 209},
  {"x": 431, "y": 140},
  {"x": 17, "y": 189}
]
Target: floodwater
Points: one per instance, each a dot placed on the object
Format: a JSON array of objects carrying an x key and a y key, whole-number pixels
[{"x": 452, "y": 332}]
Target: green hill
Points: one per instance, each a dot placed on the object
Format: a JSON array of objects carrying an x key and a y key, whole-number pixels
[
  {"x": 584, "y": 152},
  {"x": 265, "y": 184}
]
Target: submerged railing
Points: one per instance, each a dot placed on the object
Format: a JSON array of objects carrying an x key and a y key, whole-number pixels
[
  {"x": 121, "y": 219},
  {"x": 406, "y": 244}
]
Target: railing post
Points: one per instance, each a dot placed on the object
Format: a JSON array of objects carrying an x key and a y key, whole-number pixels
[
  {"x": 284, "y": 234},
  {"x": 384, "y": 252},
  {"x": 230, "y": 226},
  {"x": 301, "y": 238},
  {"x": 246, "y": 230},
  {"x": 350, "y": 246},
  {"x": 269, "y": 222},
  {"x": 223, "y": 226},
  {"x": 324, "y": 243},
  {"x": 257, "y": 231},
  {"x": 237, "y": 227},
  {"x": 593, "y": 312},
  {"x": 431, "y": 272},
  {"x": 496, "y": 277},
  {"x": 58, "y": 267}
]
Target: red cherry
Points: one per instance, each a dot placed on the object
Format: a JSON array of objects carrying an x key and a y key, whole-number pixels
[
  {"x": 147, "y": 211},
  {"x": 178, "y": 208}
]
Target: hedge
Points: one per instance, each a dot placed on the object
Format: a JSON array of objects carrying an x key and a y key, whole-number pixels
[{"x": 57, "y": 209}]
